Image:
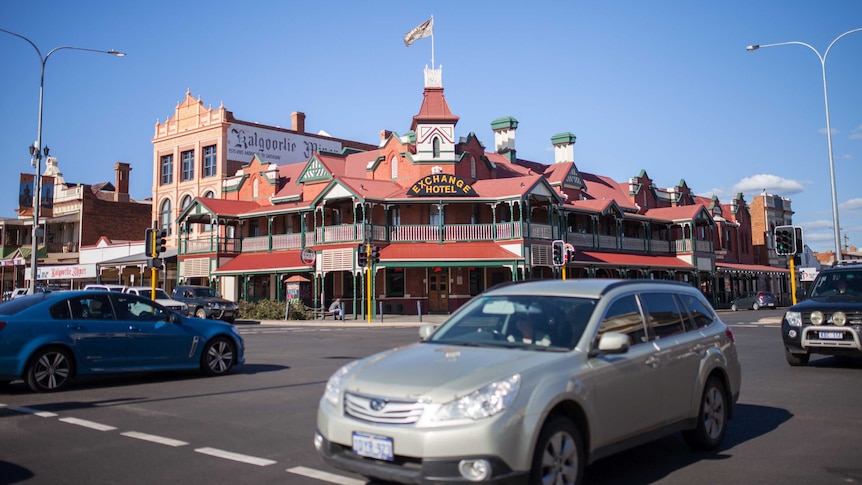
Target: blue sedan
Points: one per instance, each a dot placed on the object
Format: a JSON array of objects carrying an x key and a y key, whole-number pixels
[{"x": 47, "y": 339}]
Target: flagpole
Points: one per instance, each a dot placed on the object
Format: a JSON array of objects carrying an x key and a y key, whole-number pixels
[{"x": 432, "y": 42}]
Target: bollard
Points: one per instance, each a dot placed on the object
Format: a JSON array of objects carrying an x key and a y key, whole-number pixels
[
  {"x": 419, "y": 310},
  {"x": 380, "y": 310}
]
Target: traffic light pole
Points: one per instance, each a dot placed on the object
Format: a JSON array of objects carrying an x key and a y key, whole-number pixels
[
  {"x": 792, "y": 281},
  {"x": 154, "y": 271},
  {"x": 368, "y": 290}
]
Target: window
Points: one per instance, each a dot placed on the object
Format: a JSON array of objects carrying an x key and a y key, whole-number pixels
[
  {"x": 394, "y": 167},
  {"x": 472, "y": 167},
  {"x": 165, "y": 215},
  {"x": 662, "y": 314},
  {"x": 188, "y": 165},
  {"x": 253, "y": 228},
  {"x": 210, "y": 161},
  {"x": 477, "y": 281},
  {"x": 167, "y": 169},
  {"x": 394, "y": 281},
  {"x": 624, "y": 316},
  {"x": 435, "y": 143},
  {"x": 395, "y": 216},
  {"x": 698, "y": 314},
  {"x": 436, "y": 216}
]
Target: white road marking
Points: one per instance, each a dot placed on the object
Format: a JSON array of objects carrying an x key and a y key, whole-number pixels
[
  {"x": 155, "y": 439},
  {"x": 251, "y": 460},
  {"x": 325, "y": 476},
  {"x": 34, "y": 412},
  {"x": 88, "y": 424}
]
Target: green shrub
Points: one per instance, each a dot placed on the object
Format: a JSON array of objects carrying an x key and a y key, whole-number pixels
[{"x": 272, "y": 310}]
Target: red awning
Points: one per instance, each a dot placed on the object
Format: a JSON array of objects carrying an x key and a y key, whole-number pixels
[
  {"x": 630, "y": 260},
  {"x": 750, "y": 268},
  {"x": 459, "y": 251},
  {"x": 264, "y": 262}
]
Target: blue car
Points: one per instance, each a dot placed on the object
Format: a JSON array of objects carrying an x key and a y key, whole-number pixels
[{"x": 47, "y": 339}]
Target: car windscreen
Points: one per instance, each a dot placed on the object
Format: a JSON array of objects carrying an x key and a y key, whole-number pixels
[
  {"x": 838, "y": 283},
  {"x": 206, "y": 293},
  {"x": 518, "y": 321}
]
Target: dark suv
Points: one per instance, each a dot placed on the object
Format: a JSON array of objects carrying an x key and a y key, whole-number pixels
[
  {"x": 829, "y": 321},
  {"x": 205, "y": 302}
]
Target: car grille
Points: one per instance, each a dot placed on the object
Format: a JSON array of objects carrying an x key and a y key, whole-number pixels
[
  {"x": 853, "y": 317},
  {"x": 382, "y": 410}
]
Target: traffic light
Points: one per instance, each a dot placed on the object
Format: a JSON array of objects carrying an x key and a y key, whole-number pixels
[
  {"x": 362, "y": 255},
  {"x": 149, "y": 242},
  {"x": 800, "y": 246},
  {"x": 785, "y": 240},
  {"x": 570, "y": 253},
  {"x": 375, "y": 255},
  {"x": 558, "y": 247},
  {"x": 162, "y": 242}
]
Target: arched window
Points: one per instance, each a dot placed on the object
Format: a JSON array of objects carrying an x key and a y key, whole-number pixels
[
  {"x": 255, "y": 188},
  {"x": 165, "y": 215},
  {"x": 473, "y": 166},
  {"x": 184, "y": 204},
  {"x": 394, "y": 167},
  {"x": 209, "y": 194},
  {"x": 435, "y": 142}
]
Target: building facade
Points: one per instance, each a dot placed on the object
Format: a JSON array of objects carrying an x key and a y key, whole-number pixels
[{"x": 447, "y": 217}]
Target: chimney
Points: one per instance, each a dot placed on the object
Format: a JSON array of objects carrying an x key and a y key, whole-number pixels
[
  {"x": 121, "y": 187},
  {"x": 297, "y": 121},
  {"x": 384, "y": 135},
  {"x": 564, "y": 147},
  {"x": 504, "y": 136}
]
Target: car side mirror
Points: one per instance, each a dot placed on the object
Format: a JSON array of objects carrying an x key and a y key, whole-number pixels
[
  {"x": 425, "y": 331},
  {"x": 611, "y": 343}
]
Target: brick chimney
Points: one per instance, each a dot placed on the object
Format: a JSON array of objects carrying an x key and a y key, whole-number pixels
[
  {"x": 121, "y": 187},
  {"x": 564, "y": 147},
  {"x": 504, "y": 136},
  {"x": 384, "y": 135},
  {"x": 297, "y": 121}
]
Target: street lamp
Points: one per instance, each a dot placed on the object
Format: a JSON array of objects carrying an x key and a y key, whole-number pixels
[
  {"x": 822, "y": 58},
  {"x": 36, "y": 150}
]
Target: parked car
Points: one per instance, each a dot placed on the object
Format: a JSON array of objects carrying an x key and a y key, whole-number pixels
[
  {"x": 608, "y": 364},
  {"x": 105, "y": 287},
  {"x": 205, "y": 302},
  {"x": 754, "y": 300},
  {"x": 49, "y": 338},
  {"x": 19, "y": 292},
  {"x": 162, "y": 298},
  {"x": 829, "y": 320}
]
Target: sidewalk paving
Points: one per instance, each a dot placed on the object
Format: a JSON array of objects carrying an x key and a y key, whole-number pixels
[{"x": 385, "y": 321}]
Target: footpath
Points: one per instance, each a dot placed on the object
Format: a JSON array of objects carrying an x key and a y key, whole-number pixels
[{"x": 349, "y": 321}]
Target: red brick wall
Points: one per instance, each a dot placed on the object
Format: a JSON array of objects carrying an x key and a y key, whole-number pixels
[{"x": 118, "y": 221}]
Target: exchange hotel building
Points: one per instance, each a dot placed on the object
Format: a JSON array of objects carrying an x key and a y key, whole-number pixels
[{"x": 254, "y": 208}]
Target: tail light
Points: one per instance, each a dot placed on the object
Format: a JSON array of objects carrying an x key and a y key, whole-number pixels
[
  {"x": 729, "y": 334},
  {"x": 2, "y": 325}
]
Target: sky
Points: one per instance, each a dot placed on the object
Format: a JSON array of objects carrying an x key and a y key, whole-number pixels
[{"x": 666, "y": 87}]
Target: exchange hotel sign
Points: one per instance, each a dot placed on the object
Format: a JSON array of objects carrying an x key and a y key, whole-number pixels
[
  {"x": 279, "y": 147},
  {"x": 441, "y": 184}
]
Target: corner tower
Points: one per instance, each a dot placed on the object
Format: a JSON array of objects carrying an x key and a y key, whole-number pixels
[{"x": 434, "y": 126}]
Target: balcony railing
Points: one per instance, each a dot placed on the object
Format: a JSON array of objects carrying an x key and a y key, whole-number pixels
[{"x": 211, "y": 245}]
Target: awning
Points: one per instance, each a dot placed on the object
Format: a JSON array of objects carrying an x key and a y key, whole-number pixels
[
  {"x": 630, "y": 260},
  {"x": 263, "y": 262},
  {"x": 749, "y": 268},
  {"x": 458, "y": 251}
]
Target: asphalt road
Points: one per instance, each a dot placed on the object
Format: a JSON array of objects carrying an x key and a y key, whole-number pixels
[{"x": 792, "y": 425}]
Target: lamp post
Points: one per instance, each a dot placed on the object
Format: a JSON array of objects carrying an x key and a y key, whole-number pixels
[
  {"x": 822, "y": 58},
  {"x": 36, "y": 149}
]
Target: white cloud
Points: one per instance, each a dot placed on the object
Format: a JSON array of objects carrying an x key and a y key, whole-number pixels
[
  {"x": 717, "y": 191},
  {"x": 851, "y": 205},
  {"x": 816, "y": 225},
  {"x": 856, "y": 136},
  {"x": 773, "y": 184}
]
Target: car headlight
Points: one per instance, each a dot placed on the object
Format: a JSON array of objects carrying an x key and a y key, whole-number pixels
[
  {"x": 335, "y": 384},
  {"x": 483, "y": 403},
  {"x": 794, "y": 319},
  {"x": 839, "y": 318},
  {"x": 817, "y": 318}
]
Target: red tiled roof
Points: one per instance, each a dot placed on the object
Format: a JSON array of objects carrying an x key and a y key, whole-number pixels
[
  {"x": 228, "y": 207},
  {"x": 458, "y": 251},
  {"x": 676, "y": 213},
  {"x": 434, "y": 108},
  {"x": 263, "y": 261},
  {"x": 639, "y": 260}
]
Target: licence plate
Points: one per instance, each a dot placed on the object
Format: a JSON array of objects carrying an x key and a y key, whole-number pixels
[
  {"x": 377, "y": 447},
  {"x": 830, "y": 335}
]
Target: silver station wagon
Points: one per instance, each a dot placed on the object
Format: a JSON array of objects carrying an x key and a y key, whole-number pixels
[{"x": 530, "y": 382}]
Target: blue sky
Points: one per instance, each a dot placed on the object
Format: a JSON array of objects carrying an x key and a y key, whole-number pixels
[{"x": 663, "y": 86}]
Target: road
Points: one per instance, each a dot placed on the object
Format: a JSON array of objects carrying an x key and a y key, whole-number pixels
[{"x": 792, "y": 425}]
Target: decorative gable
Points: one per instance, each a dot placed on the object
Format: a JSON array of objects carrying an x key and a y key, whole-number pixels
[
  {"x": 573, "y": 179},
  {"x": 314, "y": 171}
]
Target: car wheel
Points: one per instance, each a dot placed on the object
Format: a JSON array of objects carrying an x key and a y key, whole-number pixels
[
  {"x": 49, "y": 370},
  {"x": 559, "y": 454},
  {"x": 755, "y": 306},
  {"x": 734, "y": 307},
  {"x": 711, "y": 419},
  {"x": 201, "y": 313},
  {"x": 4, "y": 384},
  {"x": 796, "y": 359},
  {"x": 218, "y": 357}
]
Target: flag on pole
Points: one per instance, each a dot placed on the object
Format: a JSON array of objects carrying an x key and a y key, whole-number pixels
[{"x": 425, "y": 29}]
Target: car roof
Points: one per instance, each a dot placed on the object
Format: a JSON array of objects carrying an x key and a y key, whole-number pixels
[{"x": 585, "y": 288}]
